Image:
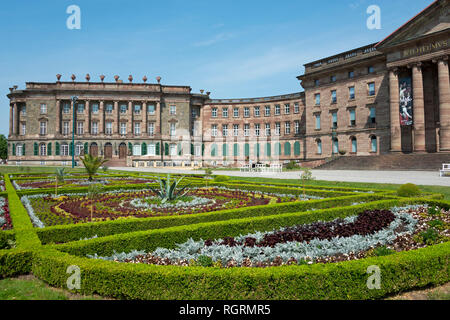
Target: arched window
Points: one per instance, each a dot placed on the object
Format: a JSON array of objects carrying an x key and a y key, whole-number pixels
[
  {"x": 42, "y": 149},
  {"x": 354, "y": 145},
  {"x": 319, "y": 146},
  {"x": 79, "y": 149},
  {"x": 137, "y": 149},
  {"x": 373, "y": 144},
  {"x": 335, "y": 146},
  {"x": 64, "y": 149},
  {"x": 19, "y": 150},
  {"x": 287, "y": 149},
  {"x": 144, "y": 149},
  {"x": 297, "y": 148}
]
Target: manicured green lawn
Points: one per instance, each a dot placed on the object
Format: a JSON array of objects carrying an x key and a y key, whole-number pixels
[{"x": 21, "y": 169}]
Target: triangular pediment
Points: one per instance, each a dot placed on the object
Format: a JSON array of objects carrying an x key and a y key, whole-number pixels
[{"x": 432, "y": 20}]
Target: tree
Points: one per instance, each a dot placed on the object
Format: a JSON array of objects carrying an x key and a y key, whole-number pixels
[
  {"x": 3, "y": 147},
  {"x": 91, "y": 164},
  {"x": 94, "y": 191},
  {"x": 306, "y": 176}
]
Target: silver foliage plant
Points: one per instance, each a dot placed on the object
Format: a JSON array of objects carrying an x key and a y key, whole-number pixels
[
  {"x": 34, "y": 218},
  {"x": 316, "y": 248}
]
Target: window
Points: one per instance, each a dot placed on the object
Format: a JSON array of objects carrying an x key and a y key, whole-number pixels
[
  {"x": 151, "y": 149},
  {"x": 317, "y": 116},
  {"x": 214, "y": 130},
  {"x": 351, "y": 93},
  {"x": 246, "y": 129},
  {"x": 80, "y": 127},
  {"x": 94, "y": 108},
  {"x": 123, "y": 128},
  {"x": 80, "y": 108},
  {"x": 108, "y": 129},
  {"x": 43, "y": 108},
  {"x": 214, "y": 112},
  {"x": 371, "y": 88},
  {"x": 296, "y": 108},
  {"x": 137, "y": 109},
  {"x": 287, "y": 128},
  {"x": 109, "y": 108},
  {"x": 351, "y": 74},
  {"x": 94, "y": 128},
  {"x": 194, "y": 113},
  {"x": 64, "y": 149},
  {"x": 123, "y": 108},
  {"x": 333, "y": 96},
  {"x": 267, "y": 129},
  {"x": 24, "y": 129},
  {"x": 225, "y": 130},
  {"x": 66, "y": 107},
  {"x": 267, "y": 111},
  {"x": 317, "y": 98},
  {"x": 236, "y": 130},
  {"x": 287, "y": 108},
  {"x": 173, "y": 129},
  {"x": 317, "y": 82},
  {"x": 173, "y": 110},
  {"x": 225, "y": 112},
  {"x": 246, "y": 112},
  {"x": 277, "y": 110},
  {"x": 42, "y": 149},
  {"x": 236, "y": 112},
  {"x": 335, "y": 146},
  {"x": 197, "y": 150},
  {"x": 257, "y": 112},
  {"x": 297, "y": 127},
  {"x": 334, "y": 120},
  {"x": 151, "y": 128},
  {"x": 277, "y": 129},
  {"x": 373, "y": 144},
  {"x": 173, "y": 150},
  {"x": 354, "y": 145},
  {"x": 151, "y": 109},
  {"x": 319, "y": 146},
  {"x": 370, "y": 69},
  {"x": 137, "y": 128},
  {"x": 257, "y": 129},
  {"x": 333, "y": 78},
  {"x": 65, "y": 128},
  {"x": 23, "y": 110},
  {"x": 19, "y": 150},
  {"x": 352, "y": 118},
  {"x": 137, "y": 150},
  {"x": 373, "y": 118},
  {"x": 79, "y": 150},
  {"x": 43, "y": 128}
]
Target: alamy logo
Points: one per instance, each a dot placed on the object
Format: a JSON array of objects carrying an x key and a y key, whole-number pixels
[
  {"x": 74, "y": 20},
  {"x": 74, "y": 281},
  {"x": 374, "y": 280},
  {"x": 374, "y": 20}
]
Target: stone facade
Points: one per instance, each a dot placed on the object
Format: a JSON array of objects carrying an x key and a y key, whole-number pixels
[{"x": 350, "y": 106}]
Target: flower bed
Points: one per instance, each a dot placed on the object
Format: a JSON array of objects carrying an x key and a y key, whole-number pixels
[
  {"x": 373, "y": 232},
  {"x": 73, "y": 182},
  {"x": 5, "y": 218},
  {"x": 77, "y": 208},
  {"x": 2, "y": 185}
]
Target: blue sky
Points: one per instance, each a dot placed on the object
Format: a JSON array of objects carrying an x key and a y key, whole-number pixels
[{"x": 234, "y": 49}]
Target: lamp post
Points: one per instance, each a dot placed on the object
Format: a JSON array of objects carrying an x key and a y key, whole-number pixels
[{"x": 74, "y": 100}]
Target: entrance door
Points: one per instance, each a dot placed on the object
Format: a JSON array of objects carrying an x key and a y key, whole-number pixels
[
  {"x": 123, "y": 151},
  {"x": 108, "y": 151},
  {"x": 93, "y": 150}
]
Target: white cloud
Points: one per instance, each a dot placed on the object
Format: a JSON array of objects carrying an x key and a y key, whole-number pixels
[{"x": 217, "y": 38}]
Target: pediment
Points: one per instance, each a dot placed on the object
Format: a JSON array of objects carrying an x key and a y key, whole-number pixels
[{"x": 432, "y": 20}]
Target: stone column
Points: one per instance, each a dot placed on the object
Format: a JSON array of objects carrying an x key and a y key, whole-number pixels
[
  {"x": 444, "y": 105},
  {"x": 144, "y": 118},
  {"x": 116, "y": 123},
  {"x": 58, "y": 117},
  {"x": 101, "y": 112},
  {"x": 396, "y": 137},
  {"x": 419, "y": 108},
  {"x": 11, "y": 120},
  {"x": 130, "y": 117}
]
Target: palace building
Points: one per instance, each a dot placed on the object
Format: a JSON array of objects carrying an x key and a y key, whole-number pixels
[{"x": 387, "y": 97}]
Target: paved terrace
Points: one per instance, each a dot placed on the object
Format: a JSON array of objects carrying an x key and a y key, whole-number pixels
[{"x": 396, "y": 177}]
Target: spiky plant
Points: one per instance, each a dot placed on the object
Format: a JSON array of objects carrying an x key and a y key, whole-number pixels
[
  {"x": 306, "y": 175},
  {"x": 60, "y": 174},
  {"x": 94, "y": 191},
  {"x": 91, "y": 164},
  {"x": 168, "y": 191}
]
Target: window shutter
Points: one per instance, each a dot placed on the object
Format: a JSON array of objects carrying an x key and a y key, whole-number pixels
[
  {"x": 213, "y": 150},
  {"x": 247, "y": 150},
  {"x": 13, "y": 149},
  {"x": 130, "y": 147},
  {"x": 268, "y": 149},
  {"x": 192, "y": 149},
  {"x": 224, "y": 149},
  {"x": 49, "y": 149},
  {"x": 203, "y": 150},
  {"x": 166, "y": 149},
  {"x": 57, "y": 151},
  {"x": 287, "y": 149},
  {"x": 157, "y": 149},
  {"x": 144, "y": 149},
  {"x": 23, "y": 149},
  {"x": 36, "y": 149},
  {"x": 235, "y": 150},
  {"x": 86, "y": 148},
  {"x": 180, "y": 150},
  {"x": 71, "y": 151},
  {"x": 257, "y": 150},
  {"x": 297, "y": 148}
]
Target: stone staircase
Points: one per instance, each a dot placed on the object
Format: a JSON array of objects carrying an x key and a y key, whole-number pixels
[
  {"x": 427, "y": 162},
  {"x": 116, "y": 163}
]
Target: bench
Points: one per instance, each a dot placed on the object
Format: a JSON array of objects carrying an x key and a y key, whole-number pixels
[{"x": 445, "y": 169}]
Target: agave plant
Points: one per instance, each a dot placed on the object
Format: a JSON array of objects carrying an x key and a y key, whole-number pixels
[
  {"x": 91, "y": 164},
  {"x": 60, "y": 175},
  {"x": 168, "y": 191}
]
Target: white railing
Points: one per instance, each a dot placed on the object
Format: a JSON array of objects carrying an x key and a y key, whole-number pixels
[{"x": 445, "y": 169}]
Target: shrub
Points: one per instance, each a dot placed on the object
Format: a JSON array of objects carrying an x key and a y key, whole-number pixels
[
  {"x": 292, "y": 165},
  {"x": 221, "y": 179},
  {"x": 205, "y": 261},
  {"x": 429, "y": 237},
  {"x": 408, "y": 190}
]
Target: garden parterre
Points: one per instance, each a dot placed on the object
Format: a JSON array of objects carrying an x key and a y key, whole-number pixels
[{"x": 402, "y": 270}]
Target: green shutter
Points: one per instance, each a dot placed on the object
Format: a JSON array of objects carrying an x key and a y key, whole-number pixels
[
  {"x": 297, "y": 148},
  {"x": 144, "y": 149},
  {"x": 213, "y": 150},
  {"x": 268, "y": 149},
  {"x": 257, "y": 150},
  {"x": 49, "y": 149},
  {"x": 224, "y": 150},
  {"x": 203, "y": 149},
  {"x": 166, "y": 149},
  {"x": 157, "y": 149},
  {"x": 86, "y": 148},
  {"x": 130, "y": 147},
  {"x": 287, "y": 149},
  {"x": 180, "y": 150},
  {"x": 13, "y": 149},
  {"x": 235, "y": 150},
  {"x": 57, "y": 151},
  {"x": 72, "y": 149},
  {"x": 23, "y": 149},
  {"x": 192, "y": 149},
  {"x": 36, "y": 149},
  {"x": 277, "y": 151},
  {"x": 247, "y": 150}
]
